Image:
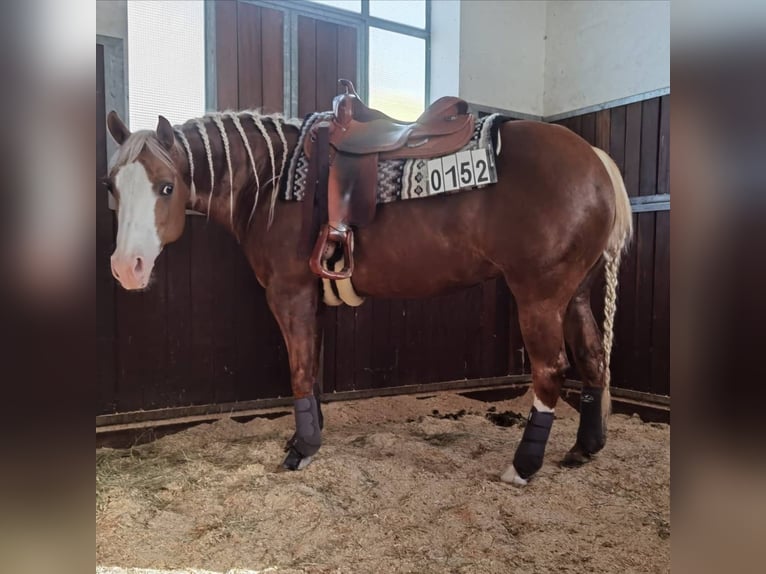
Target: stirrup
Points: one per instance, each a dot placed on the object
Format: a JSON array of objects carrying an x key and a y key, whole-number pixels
[{"x": 342, "y": 235}]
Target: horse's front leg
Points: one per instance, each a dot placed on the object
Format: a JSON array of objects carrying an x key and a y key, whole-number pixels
[{"x": 295, "y": 308}]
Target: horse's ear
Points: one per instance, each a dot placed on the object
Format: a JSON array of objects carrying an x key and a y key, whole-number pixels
[
  {"x": 117, "y": 128},
  {"x": 165, "y": 133}
]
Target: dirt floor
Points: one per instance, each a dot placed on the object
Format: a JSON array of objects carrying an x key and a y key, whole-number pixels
[{"x": 397, "y": 487}]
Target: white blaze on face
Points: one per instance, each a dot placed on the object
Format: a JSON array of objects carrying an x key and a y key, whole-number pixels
[{"x": 138, "y": 243}]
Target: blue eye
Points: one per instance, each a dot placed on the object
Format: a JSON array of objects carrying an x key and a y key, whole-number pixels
[{"x": 166, "y": 189}]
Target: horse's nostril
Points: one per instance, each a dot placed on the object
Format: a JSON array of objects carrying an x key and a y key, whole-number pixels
[{"x": 139, "y": 266}]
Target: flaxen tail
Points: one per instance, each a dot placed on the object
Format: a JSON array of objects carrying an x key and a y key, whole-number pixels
[{"x": 619, "y": 240}]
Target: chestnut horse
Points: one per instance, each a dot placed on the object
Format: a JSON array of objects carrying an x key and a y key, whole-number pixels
[{"x": 557, "y": 214}]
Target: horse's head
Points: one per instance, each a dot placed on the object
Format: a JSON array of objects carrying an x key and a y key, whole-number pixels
[{"x": 151, "y": 198}]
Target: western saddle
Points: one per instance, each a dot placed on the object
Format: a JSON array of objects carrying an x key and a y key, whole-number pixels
[{"x": 358, "y": 137}]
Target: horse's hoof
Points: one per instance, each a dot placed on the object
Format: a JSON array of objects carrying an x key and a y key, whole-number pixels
[
  {"x": 512, "y": 477},
  {"x": 295, "y": 460},
  {"x": 575, "y": 458}
]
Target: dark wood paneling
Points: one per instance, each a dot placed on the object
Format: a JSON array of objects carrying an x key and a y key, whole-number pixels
[
  {"x": 327, "y": 64},
  {"x": 249, "y": 70},
  {"x": 588, "y": 128},
  {"x": 632, "y": 168},
  {"x": 204, "y": 332},
  {"x": 226, "y": 54},
  {"x": 637, "y": 137},
  {"x": 663, "y": 161},
  {"x": 272, "y": 60},
  {"x": 307, "y": 66},
  {"x": 347, "y": 39},
  {"x": 650, "y": 129}
]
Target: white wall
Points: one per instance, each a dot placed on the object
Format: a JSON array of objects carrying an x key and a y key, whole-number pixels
[
  {"x": 602, "y": 51},
  {"x": 445, "y": 48},
  {"x": 112, "y": 18},
  {"x": 548, "y": 57},
  {"x": 502, "y": 54}
]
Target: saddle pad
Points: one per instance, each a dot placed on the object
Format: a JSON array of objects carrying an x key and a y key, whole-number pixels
[{"x": 397, "y": 179}]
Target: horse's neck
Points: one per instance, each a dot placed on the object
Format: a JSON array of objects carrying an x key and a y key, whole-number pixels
[{"x": 247, "y": 153}]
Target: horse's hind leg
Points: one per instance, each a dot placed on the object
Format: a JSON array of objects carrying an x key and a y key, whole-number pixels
[
  {"x": 541, "y": 325},
  {"x": 295, "y": 309},
  {"x": 584, "y": 339}
]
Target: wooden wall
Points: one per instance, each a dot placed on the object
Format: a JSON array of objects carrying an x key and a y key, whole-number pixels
[
  {"x": 203, "y": 333},
  {"x": 637, "y": 136}
]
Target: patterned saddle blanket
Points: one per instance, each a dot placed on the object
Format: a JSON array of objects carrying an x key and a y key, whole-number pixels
[{"x": 397, "y": 179}]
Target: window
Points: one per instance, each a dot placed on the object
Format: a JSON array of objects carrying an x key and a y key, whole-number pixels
[
  {"x": 397, "y": 74},
  {"x": 166, "y": 61},
  {"x": 397, "y": 34}
]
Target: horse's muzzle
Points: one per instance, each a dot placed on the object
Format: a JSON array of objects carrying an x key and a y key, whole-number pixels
[{"x": 133, "y": 271}]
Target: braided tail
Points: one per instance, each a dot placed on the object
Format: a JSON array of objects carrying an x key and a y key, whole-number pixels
[{"x": 619, "y": 240}]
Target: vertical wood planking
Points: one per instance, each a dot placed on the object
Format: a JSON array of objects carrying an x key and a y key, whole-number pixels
[
  {"x": 226, "y": 55},
  {"x": 327, "y": 64},
  {"x": 411, "y": 354},
  {"x": 249, "y": 57},
  {"x": 588, "y": 128},
  {"x": 307, "y": 66},
  {"x": 272, "y": 60},
  {"x": 632, "y": 148},
  {"x": 396, "y": 335},
  {"x": 518, "y": 361},
  {"x": 603, "y": 127},
  {"x": 474, "y": 341},
  {"x": 642, "y": 324},
  {"x": 179, "y": 319},
  {"x": 616, "y": 148},
  {"x": 650, "y": 126},
  {"x": 362, "y": 329},
  {"x": 346, "y": 349},
  {"x": 330, "y": 336},
  {"x": 488, "y": 325},
  {"x": 381, "y": 359},
  {"x": 347, "y": 68},
  {"x": 249, "y": 317},
  {"x": 624, "y": 336},
  {"x": 142, "y": 346},
  {"x": 205, "y": 308},
  {"x": 663, "y": 161}
]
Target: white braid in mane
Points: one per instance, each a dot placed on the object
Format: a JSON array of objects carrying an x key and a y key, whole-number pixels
[
  {"x": 259, "y": 124},
  {"x": 275, "y": 192},
  {"x": 193, "y": 190},
  {"x": 216, "y": 117},
  {"x": 206, "y": 141},
  {"x": 237, "y": 124},
  {"x": 278, "y": 121}
]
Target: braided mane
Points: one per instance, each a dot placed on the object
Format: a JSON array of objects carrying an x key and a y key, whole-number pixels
[{"x": 278, "y": 121}]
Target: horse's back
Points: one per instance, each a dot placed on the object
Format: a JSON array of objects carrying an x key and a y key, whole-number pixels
[{"x": 551, "y": 201}]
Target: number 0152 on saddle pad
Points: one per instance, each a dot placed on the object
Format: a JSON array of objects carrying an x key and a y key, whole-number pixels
[
  {"x": 471, "y": 167},
  {"x": 462, "y": 170}
]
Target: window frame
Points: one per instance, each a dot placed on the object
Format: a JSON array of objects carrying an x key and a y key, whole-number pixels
[{"x": 292, "y": 9}]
